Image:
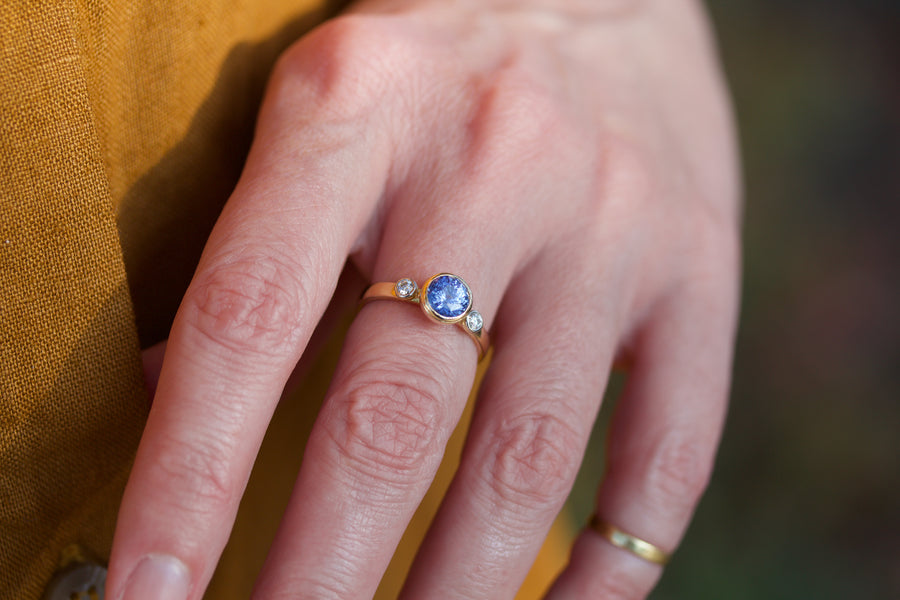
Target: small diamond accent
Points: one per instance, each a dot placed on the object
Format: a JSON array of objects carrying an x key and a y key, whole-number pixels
[
  {"x": 405, "y": 288},
  {"x": 474, "y": 321}
]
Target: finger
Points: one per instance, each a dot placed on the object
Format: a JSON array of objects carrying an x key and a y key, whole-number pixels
[
  {"x": 531, "y": 426},
  {"x": 313, "y": 176},
  {"x": 662, "y": 442},
  {"x": 398, "y": 392}
]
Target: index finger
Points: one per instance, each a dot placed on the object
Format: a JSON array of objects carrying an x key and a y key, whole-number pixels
[{"x": 267, "y": 273}]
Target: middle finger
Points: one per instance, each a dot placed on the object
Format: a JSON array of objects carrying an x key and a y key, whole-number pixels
[{"x": 398, "y": 392}]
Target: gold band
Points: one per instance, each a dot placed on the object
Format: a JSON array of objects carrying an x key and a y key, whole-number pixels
[
  {"x": 626, "y": 541},
  {"x": 406, "y": 290}
]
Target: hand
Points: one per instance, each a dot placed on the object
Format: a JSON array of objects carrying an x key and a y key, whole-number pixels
[{"x": 575, "y": 163}]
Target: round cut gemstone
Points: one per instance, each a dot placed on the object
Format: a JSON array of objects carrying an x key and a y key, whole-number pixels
[
  {"x": 448, "y": 296},
  {"x": 405, "y": 288},
  {"x": 474, "y": 321}
]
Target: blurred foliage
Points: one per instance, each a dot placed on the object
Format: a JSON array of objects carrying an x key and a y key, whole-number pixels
[{"x": 805, "y": 500}]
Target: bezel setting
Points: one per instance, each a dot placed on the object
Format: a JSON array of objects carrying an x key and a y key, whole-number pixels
[
  {"x": 474, "y": 321},
  {"x": 430, "y": 309},
  {"x": 406, "y": 288}
]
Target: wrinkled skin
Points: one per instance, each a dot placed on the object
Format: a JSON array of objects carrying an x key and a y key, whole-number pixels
[{"x": 575, "y": 163}]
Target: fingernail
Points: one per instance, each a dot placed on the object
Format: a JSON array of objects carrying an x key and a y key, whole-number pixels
[{"x": 157, "y": 577}]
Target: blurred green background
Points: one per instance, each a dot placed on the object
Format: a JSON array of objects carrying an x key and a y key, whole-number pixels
[{"x": 805, "y": 500}]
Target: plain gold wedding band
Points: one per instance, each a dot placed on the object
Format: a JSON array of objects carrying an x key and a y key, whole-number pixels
[{"x": 628, "y": 542}]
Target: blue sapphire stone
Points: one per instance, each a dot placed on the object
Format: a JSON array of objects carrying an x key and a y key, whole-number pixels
[{"x": 448, "y": 296}]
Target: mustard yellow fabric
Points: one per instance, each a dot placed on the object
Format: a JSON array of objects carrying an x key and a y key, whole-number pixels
[
  {"x": 123, "y": 128},
  {"x": 70, "y": 383}
]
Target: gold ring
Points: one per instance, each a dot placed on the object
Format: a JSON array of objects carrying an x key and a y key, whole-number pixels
[
  {"x": 626, "y": 541},
  {"x": 444, "y": 298}
]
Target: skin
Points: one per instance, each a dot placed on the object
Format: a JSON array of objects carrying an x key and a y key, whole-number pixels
[{"x": 575, "y": 163}]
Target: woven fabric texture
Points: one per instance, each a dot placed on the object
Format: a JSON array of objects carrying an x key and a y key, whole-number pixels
[
  {"x": 70, "y": 379},
  {"x": 105, "y": 108}
]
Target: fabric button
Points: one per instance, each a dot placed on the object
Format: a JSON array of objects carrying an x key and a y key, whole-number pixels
[{"x": 80, "y": 580}]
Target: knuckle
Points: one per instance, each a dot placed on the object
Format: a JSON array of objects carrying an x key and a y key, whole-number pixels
[
  {"x": 251, "y": 304},
  {"x": 619, "y": 183},
  {"x": 518, "y": 119},
  {"x": 199, "y": 471},
  {"x": 336, "y": 73},
  {"x": 534, "y": 460},
  {"x": 624, "y": 172},
  {"x": 390, "y": 427},
  {"x": 678, "y": 471}
]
